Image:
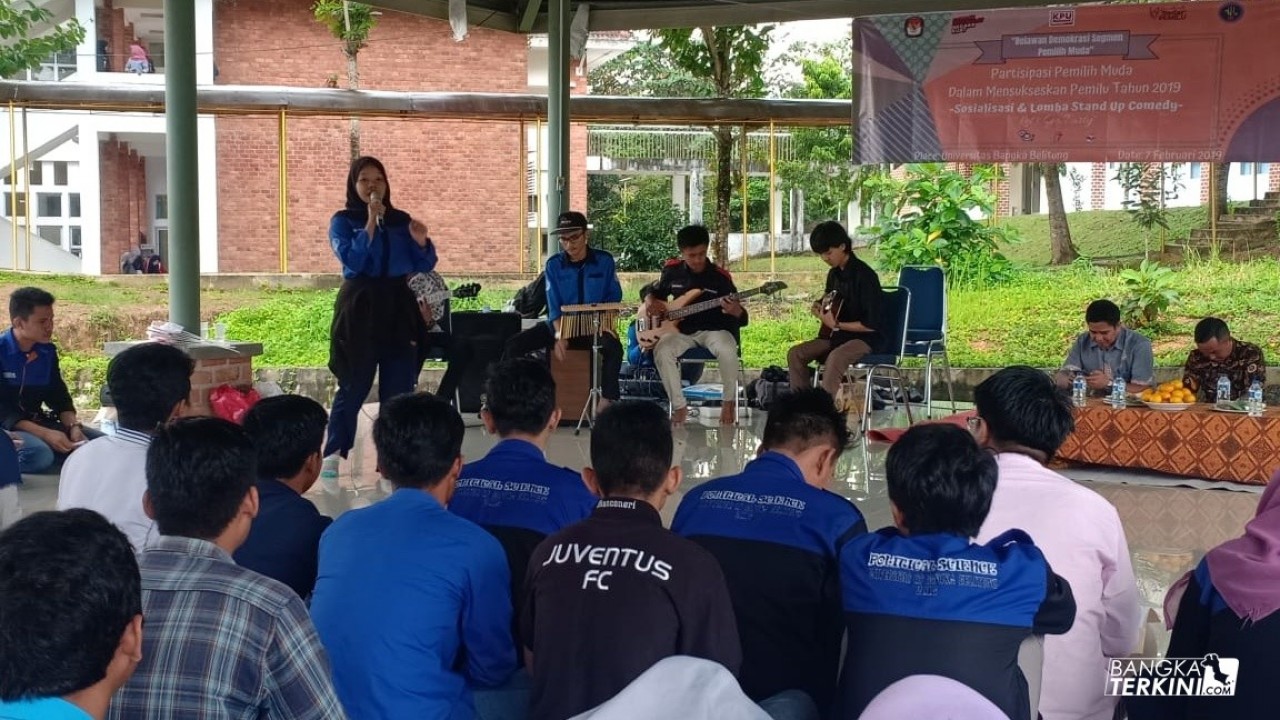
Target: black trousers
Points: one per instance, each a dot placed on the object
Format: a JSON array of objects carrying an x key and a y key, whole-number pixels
[
  {"x": 542, "y": 337},
  {"x": 457, "y": 352}
]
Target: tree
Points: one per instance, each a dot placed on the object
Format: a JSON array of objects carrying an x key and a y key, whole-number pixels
[
  {"x": 20, "y": 50},
  {"x": 634, "y": 219},
  {"x": 1062, "y": 250},
  {"x": 732, "y": 60},
  {"x": 351, "y": 23}
]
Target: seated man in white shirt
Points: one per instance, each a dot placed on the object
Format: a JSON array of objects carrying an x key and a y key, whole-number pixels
[
  {"x": 1023, "y": 418},
  {"x": 149, "y": 384}
]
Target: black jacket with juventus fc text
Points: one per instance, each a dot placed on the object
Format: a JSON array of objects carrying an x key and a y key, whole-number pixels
[{"x": 608, "y": 597}]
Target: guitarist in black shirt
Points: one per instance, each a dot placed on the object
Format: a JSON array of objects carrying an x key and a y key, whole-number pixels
[
  {"x": 849, "y": 312},
  {"x": 694, "y": 278}
]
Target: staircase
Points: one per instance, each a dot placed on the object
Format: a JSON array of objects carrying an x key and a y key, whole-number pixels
[{"x": 1249, "y": 232}]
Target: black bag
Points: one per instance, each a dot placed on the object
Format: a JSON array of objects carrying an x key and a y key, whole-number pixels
[{"x": 531, "y": 300}]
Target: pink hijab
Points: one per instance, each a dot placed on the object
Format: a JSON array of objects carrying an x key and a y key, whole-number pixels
[{"x": 1246, "y": 570}]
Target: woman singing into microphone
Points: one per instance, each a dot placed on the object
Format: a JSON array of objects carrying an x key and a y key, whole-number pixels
[{"x": 376, "y": 319}]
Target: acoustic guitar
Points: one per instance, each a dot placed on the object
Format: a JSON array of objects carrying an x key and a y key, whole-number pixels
[
  {"x": 832, "y": 303},
  {"x": 649, "y": 330}
]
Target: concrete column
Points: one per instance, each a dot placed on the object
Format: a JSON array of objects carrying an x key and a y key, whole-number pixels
[
  {"x": 182, "y": 153},
  {"x": 558, "y": 20},
  {"x": 695, "y": 194},
  {"x": 679, "y": 191},
  {"x": 87, "y": 50}
]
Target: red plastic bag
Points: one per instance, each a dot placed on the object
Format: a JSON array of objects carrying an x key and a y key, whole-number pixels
[{"x": 230, "y": 403}]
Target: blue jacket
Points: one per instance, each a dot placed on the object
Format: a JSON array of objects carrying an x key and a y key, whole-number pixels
[
  {"x": 284, "y": 538},
  {"x": 413, "y": 604},
  {"x": 937, "y": 604},
  {"x": 778, "y": 541},
  {"x": 360, "y": 258},
  {"x": 594, "y": 280},
  {"x": 29, "y": 382},
  {"x": 519, "y": 497}
]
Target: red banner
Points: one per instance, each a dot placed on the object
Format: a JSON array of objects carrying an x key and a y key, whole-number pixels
[{"x": 1194, "y": 81}]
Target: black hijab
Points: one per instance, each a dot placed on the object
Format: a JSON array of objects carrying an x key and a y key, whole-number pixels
[{"x": 357, "y": 209}]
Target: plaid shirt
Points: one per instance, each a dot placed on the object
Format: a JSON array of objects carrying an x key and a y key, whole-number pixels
[
  {"x": 1244, "y": 365},
  {"x": 222, "y": 643}
]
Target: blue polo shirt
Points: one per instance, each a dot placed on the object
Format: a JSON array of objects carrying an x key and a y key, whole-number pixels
[
  {"x": 778, "y": 540},
  {"x": 519, "y": 497},
  {"x": 413, "y": 604},
  {"x": 42, "y": 709},
  {"x": 285, "y": 537}
]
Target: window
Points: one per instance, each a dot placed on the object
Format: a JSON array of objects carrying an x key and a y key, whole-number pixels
[
  {"x": 1194, "y": 170},
  {"x": 60, "y": 172},
  {"x": 1246, "y": 168},
  {"x": 75, "y": 240},
  {"x": 1263, "y": 168},
  {"x": 162, "y": 207},
  {"x": 37, "y": 174},
  {"x": 48, "y": 204},
  {"x": 52, "y": 233},
  {"x": 73, "y": 205},
  {"x": 8, "y": 204}
]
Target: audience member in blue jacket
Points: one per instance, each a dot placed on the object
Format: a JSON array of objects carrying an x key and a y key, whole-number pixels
[
  {"x": 921, "y": 599},
  {"x": 285, "y": 537},
  {"x": 35, "y": 404},
  {"x": 412, "y": 602},
  {"x": 578, "y": 274},
  {"x": 377, "y": 325},
  {"x": 513, "y": 492},
  {"x": 777, "y": 530}
]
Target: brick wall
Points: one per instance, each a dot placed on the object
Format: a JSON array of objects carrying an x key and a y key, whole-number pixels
[
  {"x": 461, "y": 177},
  {"x": 123, "y": 198},
  {"x": 212, "y": 372},
  {"x": 1098, "y": 186},
  {"x": 112, "y": 27}
]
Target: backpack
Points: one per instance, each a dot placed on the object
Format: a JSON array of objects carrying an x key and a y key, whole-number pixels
[{"x": 531, "y": 300}]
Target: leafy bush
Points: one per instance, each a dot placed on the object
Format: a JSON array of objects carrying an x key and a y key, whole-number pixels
[
  {"x": 634, "y": 219},
  {"x": 932, "y": 223},
  {"x": 1150, "y": 291}
]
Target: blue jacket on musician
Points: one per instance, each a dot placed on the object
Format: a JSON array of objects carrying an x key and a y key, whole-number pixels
[
  {"x": 520, "y": 498},
  {"x": 778, "y": 542},
  {"x": 939, "y": 605},
  {"x": 594, "y": 280}
]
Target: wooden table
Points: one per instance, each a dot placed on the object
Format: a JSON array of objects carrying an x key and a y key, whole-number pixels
[{"x": 1196, "y": 442}]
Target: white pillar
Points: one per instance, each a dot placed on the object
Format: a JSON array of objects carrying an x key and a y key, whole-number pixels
[
  {"x": 695, "y": 194},
  {"x": 87, "y": 50},
  {"x": 204, "y": 45},
  {"x": 90, "y": 188},
  {"x": 679, "y": 191}
]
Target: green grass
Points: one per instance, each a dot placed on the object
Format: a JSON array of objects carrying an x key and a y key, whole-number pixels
[{"x": 1096, "y": 233}]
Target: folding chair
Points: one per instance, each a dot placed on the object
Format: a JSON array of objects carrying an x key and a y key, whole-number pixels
[
  {"x": 895, "y": 309},
  {"x": 927, "y": 325}
]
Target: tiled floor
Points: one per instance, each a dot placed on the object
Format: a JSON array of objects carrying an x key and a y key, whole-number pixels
[{"x": 1169, "y": 528}]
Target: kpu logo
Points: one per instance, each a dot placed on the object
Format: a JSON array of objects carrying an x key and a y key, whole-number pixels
[
  {"x": 1059, "y": 18},
  {"x": 1209, "y": 676},
  {"x": 913, "y": 26}
]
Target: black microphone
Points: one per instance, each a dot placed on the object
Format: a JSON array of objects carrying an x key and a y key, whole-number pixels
[{"x": 373, "y": 198}]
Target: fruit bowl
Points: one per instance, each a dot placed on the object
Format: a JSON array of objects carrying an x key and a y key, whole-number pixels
[{"x": 1168, "y": 407}]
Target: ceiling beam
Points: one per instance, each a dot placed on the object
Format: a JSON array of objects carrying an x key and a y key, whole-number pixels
[
  {"x": 439, "y": 9},
  {"x": 505, "y": 107},
  {"x": 529, "y": 15}
]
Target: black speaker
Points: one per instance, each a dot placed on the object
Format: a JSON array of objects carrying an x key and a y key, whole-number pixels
[{"x": 485, "y": 333}]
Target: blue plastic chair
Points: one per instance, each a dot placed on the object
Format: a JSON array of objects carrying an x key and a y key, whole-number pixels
[
  {"x": 927, "y": 325},
  {"x": 895, "y": 309}
]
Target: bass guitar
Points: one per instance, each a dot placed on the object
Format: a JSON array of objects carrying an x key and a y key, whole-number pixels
[{"x": 649, "y": 330}]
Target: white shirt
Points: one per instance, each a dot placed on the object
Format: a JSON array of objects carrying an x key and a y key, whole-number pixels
[
  {"x": 1080, "y": 534},
  {"x": 109, "y": 475},
  {"x": 679, "y": 686}
]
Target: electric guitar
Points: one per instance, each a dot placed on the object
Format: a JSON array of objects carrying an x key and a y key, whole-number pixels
[
  {"x": 649, "y": 330},
  {"x": 832, "y": 303},
  {"x": 431, "y": 291}
]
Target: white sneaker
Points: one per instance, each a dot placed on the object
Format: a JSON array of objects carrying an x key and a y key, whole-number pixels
[{"x": 329, "y": 474}]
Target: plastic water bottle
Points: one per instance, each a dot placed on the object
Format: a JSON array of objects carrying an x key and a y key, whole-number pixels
[
  {"x": 1079, "y": 391},
  {"x": 1224, "y": 389},
  {"x": 1256, "y": 405},
  {"x": 1117, "y": 391}
]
